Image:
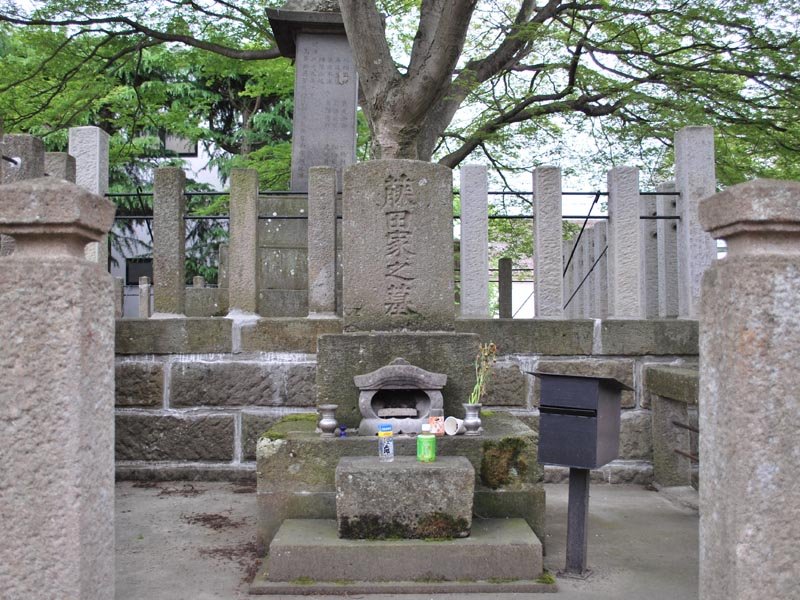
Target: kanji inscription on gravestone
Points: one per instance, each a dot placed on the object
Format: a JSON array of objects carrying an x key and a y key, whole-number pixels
[{"x": 398, "y": 231}]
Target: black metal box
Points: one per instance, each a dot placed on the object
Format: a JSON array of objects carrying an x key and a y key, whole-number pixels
[{"x": 579, "y": 420}]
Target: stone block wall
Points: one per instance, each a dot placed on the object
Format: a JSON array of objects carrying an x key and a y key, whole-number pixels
[{"x": 193, "y": 395}]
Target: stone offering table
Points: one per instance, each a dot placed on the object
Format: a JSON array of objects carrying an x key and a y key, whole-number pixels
[
  {"x": 404, "y": 498},
  {"x": 296, "y": 471}
]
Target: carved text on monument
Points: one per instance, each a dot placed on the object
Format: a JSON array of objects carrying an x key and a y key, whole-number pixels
[{"x": 397, "y": 203}]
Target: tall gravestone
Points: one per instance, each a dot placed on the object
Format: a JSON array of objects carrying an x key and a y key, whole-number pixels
[{"x": 325, "y": 90}]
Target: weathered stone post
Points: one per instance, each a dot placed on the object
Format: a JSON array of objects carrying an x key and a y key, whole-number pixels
[
  {"x": 667, "y": 240},
  {"x": 144, "y": 297},
  {"x": 119, "y": 297},
  {"x": 648, "y": 258},
  {"x": 625, "y": 295},
  {"x": 169, "y": 241},
  {"x": 474, "y": 257},
  {"x": 566, "y": 282},
  {"x": 587, "y": 260},
  {"x": 749, "y": 398},
  {"x": 89, "y": 146},
  {"x": 243, "y": 241},
  {"x": 695, "y": 179},
  {"x": 26, "y": 154},
  {"x": 600, "y": 276},
  {"x": 24, "y": 159},
  {"x": 57, "y": 397},
  {"x": 547, "y": 238},
  {"x": 60, "y": 165},
  {"x": 578, "y": 273},
  {"x": 322, "y": 242},
  {"x": 505, "y": 287}
]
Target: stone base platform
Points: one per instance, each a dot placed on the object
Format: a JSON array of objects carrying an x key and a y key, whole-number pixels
[
  {"x": 296, "y": 471},
  {"x": 308, "y": 552}
]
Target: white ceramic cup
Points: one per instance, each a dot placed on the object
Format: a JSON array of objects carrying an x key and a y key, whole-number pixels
[{"x": 454, "y": 426}]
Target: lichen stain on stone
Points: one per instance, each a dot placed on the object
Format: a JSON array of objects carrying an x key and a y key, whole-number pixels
[
  {"x": 268, "y": 447},
  {"x": 502, "y": 462}
]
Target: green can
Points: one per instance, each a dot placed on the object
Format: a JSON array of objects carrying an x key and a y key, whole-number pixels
[{"x": 426, "y": 445}]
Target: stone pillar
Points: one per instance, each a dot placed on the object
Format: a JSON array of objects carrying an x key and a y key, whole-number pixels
[
  {"x": 695, "y": 179},
  {"x": 144, "y": 297},
  {"x": 578, "y": 273},
  {"x": 57, "y": 397},
  {"x": 749, "y": 400},
  {"x": 322, "y": 242},
  {"x": 169, "y": 241},
  {"x": 89, "y": 146},
  {"x": 26, "y": 154},
  {"x": 119, "y": 297},
  {"x": 625, "y": 280},
  {"x": 648, "y": 258},
  {"x": 600, "y": 277},
  {"x": 397, "y": 234},
  {"x": 198, "y": 282},
  {"x": 587, "y": 259},
  {"x": 60, "y": 165},
  {"x": 667, "y": 240},
  {"x": 24, "y": 159},
  {"x": 474, "y": 242},
  {"x": 547, "y": 238},
  {"x": 505, "y": 288},
  {"x": 566, "y": 250},
  {"x": 243, "y": 241}
]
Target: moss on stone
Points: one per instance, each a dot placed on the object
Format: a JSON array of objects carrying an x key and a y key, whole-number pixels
[
  {"x": 501, "y": 460},
  {"x": 303, "y": 581},
  {"x": 293, "y": 422},
  {"x": 435, "y": 527},
  {"x": 547, "y": 578},
  {"x": 502, "y": 579}
]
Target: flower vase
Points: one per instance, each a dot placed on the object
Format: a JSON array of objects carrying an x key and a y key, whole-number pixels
[
  {"x": 327, "y": 422},
  {"x": 472, "y": 419}
]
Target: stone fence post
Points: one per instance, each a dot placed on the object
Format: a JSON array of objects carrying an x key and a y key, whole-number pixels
[
  {"x": 57, "y": 397},
  {"x": 547, "y": 239},
  {"x": 243, "y": 241},
  {"x": 648, "y": 258},
  {"x": 600, "y": 275},
  {"x": 667, "y": 241},
  {"x": 474, "y": 259},
  {"x": 749, "y": 398},
  {"x": 169, "y": 241},
  {"x": 322, "y": 242},
  {"x": 695, "y": 179},
  {"x": 23, "y": 158},
  {"x": 505, "y": 287},
  {"x": 89, "y": 146},
  {"x": 625, "y": 281}
]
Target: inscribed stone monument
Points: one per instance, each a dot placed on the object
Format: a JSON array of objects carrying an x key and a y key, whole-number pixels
[
  {"x": 325, "y": 87},
  {"x": 398, "y": 246}
]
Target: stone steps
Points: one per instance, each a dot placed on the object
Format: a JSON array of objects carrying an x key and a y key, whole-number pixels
[{"x": 308, "y": 551}]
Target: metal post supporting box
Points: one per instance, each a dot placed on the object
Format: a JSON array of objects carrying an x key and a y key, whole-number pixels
[{"x": 579, "y": 420}]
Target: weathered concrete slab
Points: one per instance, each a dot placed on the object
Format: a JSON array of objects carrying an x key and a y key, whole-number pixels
[
  {"x": 497, "y": 548},
  {"x": 242, "y": 383},
  {"x": 172, "y": 336},
  {"x": 532, "y": 336},
  {"x": 404, "y": 498},
  {"x": 167, "y": 437},
  {"x": 287, "y": 334},
  {"x": 678, "y": 383},
  {"x": 656, "y": 337},
  {"x": 139, "y": 383}
]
